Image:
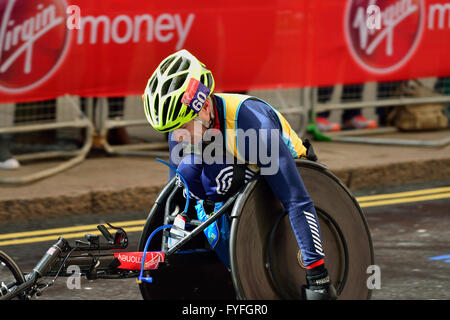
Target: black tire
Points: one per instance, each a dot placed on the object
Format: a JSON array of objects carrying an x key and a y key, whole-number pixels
[
  {"x": 186, "y": 276},
  {"x": 10, "y": 274},
  {"x": 267, "y": 266}
]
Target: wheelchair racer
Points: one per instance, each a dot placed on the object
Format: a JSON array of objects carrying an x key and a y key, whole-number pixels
[{"x": 179, "y": 98}]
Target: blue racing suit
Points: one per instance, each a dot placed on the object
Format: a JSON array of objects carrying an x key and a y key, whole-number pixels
[{"x": 234, "y": 116}]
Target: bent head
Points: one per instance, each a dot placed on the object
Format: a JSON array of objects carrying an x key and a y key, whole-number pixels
[
  {"x": 177, "y": 96},
  {"x": 193, "y": 131}
]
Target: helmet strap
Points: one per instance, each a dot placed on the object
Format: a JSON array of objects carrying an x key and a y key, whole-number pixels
[{"x": 206, "y": 124}]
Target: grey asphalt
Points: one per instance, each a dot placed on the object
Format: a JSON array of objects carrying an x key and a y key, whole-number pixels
[{"x": 408, "y": 240}]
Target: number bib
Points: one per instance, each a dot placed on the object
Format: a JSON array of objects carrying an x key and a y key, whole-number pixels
[{"x": 195, "y": 95}]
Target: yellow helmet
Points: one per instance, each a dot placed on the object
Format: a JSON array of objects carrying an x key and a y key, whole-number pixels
[{"x": 176, "y": 91}]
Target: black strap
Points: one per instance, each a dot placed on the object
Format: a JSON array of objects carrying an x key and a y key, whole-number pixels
[{"x": 310, "y": 154}]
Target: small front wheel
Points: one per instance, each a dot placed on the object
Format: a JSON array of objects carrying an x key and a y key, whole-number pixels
[{"x": 10, "y": 275}]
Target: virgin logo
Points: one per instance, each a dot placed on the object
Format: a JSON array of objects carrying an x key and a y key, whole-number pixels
[
  {"x": 388, "y": 48},
  {"x": 33, "y": 42}
]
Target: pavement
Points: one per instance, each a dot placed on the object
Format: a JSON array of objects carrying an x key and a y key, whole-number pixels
[{"x": 104, "y": 184}]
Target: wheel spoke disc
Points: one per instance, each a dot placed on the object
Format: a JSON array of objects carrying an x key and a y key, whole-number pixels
[{"x": 267, "y": 266}]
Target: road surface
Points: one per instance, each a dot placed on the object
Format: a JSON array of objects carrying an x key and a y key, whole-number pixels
[{"x": 410, "y": 229}]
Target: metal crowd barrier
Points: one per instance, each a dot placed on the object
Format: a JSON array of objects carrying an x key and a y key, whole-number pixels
[
  {"x": 292, "y": 103},
  {"x": 372, "y": 95},
  {"x": 100, "y": 117},
  {"x": 113, "y": 113},
  {"x": 61, "y": 114},
  {"x": 127, "y": 114}
]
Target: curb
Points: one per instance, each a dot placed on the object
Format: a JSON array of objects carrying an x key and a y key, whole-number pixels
[
  {"x": 395, "y": 174},
  {"x": 142, "y": 198},
  {"x": 93, "y": 202}
]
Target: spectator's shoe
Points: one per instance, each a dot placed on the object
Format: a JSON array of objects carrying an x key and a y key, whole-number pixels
[
  {"x": 360, "y": 122},
  {"x": 9, "y": 164},
  {"x": 324, "y": 125}
]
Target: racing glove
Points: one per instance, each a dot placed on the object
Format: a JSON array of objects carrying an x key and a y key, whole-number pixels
[{"x": 319, "y": 285}]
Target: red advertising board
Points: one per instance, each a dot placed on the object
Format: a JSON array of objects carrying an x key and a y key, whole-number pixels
[
  {"x": 413, "y": 41},
  {"x": 50, "y": 48}
]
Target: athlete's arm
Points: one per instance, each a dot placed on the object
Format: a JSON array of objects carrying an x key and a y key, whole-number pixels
[
  {"x": 284, "y": 179},
  {"x": 285, "y": 182}
]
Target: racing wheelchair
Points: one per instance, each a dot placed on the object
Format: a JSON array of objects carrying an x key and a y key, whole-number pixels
[{"x": 265, "y": 260}]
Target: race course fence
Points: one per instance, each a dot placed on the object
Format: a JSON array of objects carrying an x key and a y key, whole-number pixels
[
  {"x": 381, "y": 98},
  {"x": 62, "y": 115},
  {"x": 118, "y": 125}
]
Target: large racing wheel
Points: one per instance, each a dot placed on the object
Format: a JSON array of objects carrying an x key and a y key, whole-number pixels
[{"x": 265, "y": 258}]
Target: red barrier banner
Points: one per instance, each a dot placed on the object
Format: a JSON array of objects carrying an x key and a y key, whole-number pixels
[
  {"x": 412, "y": 41},
  {"x": 49, "y": 48}
]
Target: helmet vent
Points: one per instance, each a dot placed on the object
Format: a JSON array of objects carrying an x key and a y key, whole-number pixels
[
  {"x": 177, "y": 108},
  {"x": 166, "y": 64},
  {"x": 148, "y": 102},
  {"x": 165, "y": 87},
  {"x": 173, "y": 84},
  {"x": 176, "y": 66},
  {"x": 153, "y": 84},
  {"x": 156, "y": 108},
  {"x": 182, "y": 64},
  {"x": 178, "y": 82},
  {"x": 185, "y": 65},
  {"x": 210, "y": 80},
  {"x": 164, "y": 113}
]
